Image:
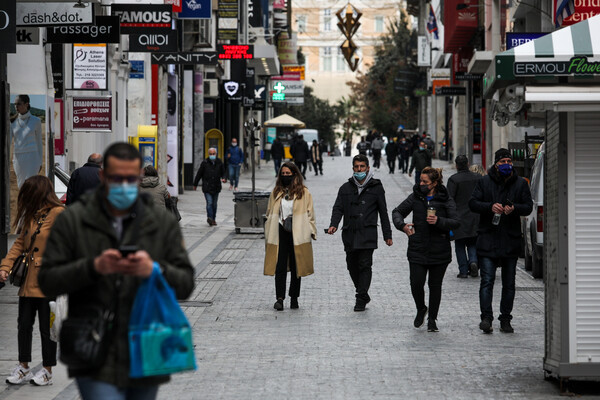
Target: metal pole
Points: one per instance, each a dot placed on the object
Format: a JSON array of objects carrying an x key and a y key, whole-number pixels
[
  {"x": 4, "y": 157},
  {"x": 447, "y": 100}
]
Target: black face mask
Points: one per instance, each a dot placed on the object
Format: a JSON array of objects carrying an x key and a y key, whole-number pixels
[
  {"x": 424, "y": 189},
  {"x": 286, "y": 180}
]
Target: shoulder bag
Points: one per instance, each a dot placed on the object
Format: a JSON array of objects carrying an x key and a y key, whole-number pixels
[{"x": 18, "y": 272}]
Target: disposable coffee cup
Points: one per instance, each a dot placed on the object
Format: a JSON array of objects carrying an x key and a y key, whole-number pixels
[{"x": 431, "y": 211}]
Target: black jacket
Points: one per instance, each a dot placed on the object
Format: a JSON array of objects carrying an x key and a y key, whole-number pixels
[
  {"x": 359, "y": 230},
  {"x": 391, "y": 150},
  {"x": 504, "y": 239},
  {"x": 430, "y": 244},
  {"x": 83, "y": 179},
  {"x": 211, "y": 174},
  {"x": 277, "y": 151},
  {"x": 420, "y": 160},
  {"x": 460, "y": 188},
  {"x": 362, "y": 147},
  {"x": 404, "y": 149},
  {"x": 299, "y": 151}
]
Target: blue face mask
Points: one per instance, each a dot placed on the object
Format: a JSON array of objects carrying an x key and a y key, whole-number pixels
[
  {"x": 505, "y": 169},
  {"x": 212, "y": 157},
  {"x": 421, "y": 148},
  {"x": 122, "y": 196},
  {"x": 360, "y": 175}
]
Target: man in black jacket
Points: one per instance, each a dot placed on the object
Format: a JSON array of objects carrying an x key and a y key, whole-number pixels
[
  {"x": 212, "y": 173},
  {"x": 84, "y": 178},
  {"x": 277, "y": 152},
  {"x": 460, "y": 187},
  {"x": 391, "y": 151},
  {"x": 300, "y": 154},
  {"x": 359, "y": 201},
  {"x": 500, "y": 198},
  {"x": 403, "y": 155},
  {"x": 421, "y": 158}
]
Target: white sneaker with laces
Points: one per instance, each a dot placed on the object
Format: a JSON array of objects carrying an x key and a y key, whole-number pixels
[
  {"x": 42, "y": 378},
  {"x": 19, "y": 375}
]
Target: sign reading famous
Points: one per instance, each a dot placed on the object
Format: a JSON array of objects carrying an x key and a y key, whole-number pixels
[{"x": 139, "y": 18}]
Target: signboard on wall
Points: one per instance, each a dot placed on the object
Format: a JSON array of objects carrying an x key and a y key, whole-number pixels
[
  {"x": 227, "y": 24},
  {"x": 153, "y": 42},
  {"x": 235, "y": 51},
  {"x": 90, "y": 66},
  {"x": 92, "y": 113},
  {"x": 196, "y": 9},
  {"x": 105, "y": 30},
  {"x": 514, "y": 39},
  {"x": 136, "y": 69},
  {"x": 141, "y": 18},
  {"x": 49, "y": 13},
  {"x": 8, "y": 29},
  {"x": 424, "y": 52}
]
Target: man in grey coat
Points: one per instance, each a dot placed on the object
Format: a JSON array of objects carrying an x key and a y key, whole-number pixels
[{"x": 460, "y": 187}]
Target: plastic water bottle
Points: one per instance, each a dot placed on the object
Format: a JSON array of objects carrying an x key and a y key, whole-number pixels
[{"x": 496, "y": 219}]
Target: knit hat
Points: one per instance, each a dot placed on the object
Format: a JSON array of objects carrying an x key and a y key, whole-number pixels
[{"x": 500, "y": 154}]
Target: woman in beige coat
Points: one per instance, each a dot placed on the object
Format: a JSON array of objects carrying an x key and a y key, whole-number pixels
[
  {"x": 37, "y": 208},
  {"x": 289, "y": 251}
]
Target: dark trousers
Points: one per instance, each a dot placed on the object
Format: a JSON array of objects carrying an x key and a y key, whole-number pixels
[
  {"x": 302, "y": 166},
  {"x": 318, "y": 166},
  {"x": 277, "y": 164},
  {"x": 487, "y": 270},
  {"x": 465, "y": 257},
  {"x": 28, "y": 306},
  {"x": 376, "y": 158},
  {"x": 359, "y": 264},
  {"x": 286, "y": 257},
  {"x": 418, "y": 275},
  {"x": 403, "y": 163},
  {"x": 417, "y": 177},
  {"x": 392, "y": 164},
  {"x": 211, "y": 205}
]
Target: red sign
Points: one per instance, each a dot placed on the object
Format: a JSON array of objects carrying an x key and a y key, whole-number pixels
[
  {"x": 464, "y": 15},
  {"x": 584, "y": 9},
  {"x": 460, "y": 63},
  {"x": 177, "y": 6},
  {"x": 92, "y": 113},
  {"x": 59, "y": 127},
  {"x": 288, "y": 76},
  {"x": 235, "y": 51}
]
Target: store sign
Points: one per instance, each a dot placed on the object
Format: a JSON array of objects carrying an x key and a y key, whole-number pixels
[
  {"x": 294, "y": 70},
  {"x": 451, "y": 91},
  {"x": 105, "y": 30},
  {"x": 177, "y": 6},
  {"x": 8, "y": 32},
  {"x": 89, "y": 66},
  {"x": 290, "y": 87},
  {"x": 227, "y": 24},
  {"x": 153, "y": 42},
  {"x": 206, "y": 58},
  {"x": 578, "y": 65},
  {"x": 28, "y": 35},
  {"x": 48, "y": 14},
  {"x": 260, "y": 97},
  {"x": 196, "y": 9},
  {"x": 136, "y": 69},
  {"x": 584, "y": 9},
  {"x": 514, "y": 39},
  {"x": 424, "y": 52},
  {"x": 235, "y": 52},
  {"x": 255, "y": 14},
  {"x": 92, "y": 114},
  {"x": 140, "y": 18},
  {"x": 234, "y": 90}
]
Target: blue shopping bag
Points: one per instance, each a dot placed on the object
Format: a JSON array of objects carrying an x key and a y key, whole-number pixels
[{"x": 160, "y": 336}]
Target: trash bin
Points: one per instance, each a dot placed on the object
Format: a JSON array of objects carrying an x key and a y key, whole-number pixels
[{"x": 243, "y": 209}]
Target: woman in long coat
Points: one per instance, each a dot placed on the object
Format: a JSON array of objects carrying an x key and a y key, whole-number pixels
[{"x": 284, "y": 250}]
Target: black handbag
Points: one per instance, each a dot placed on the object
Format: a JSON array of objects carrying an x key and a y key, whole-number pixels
[{"x": 18, "y": 272}]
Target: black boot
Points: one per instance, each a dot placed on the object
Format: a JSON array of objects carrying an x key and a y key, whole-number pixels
[
  {"x": 278, "y": 304},
  {"x": 294, "y": 303}
]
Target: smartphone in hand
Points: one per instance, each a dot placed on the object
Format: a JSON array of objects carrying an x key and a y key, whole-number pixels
[{"x": 126, "y": 250}]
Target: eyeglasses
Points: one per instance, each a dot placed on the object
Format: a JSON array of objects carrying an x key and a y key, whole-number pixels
[{"x": 121, "y": 178}]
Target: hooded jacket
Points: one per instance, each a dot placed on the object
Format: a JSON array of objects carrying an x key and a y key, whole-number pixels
[
  {"x": 155, "y": 189},
  {"x": 504, "y": 239},
  {"x": 430, "y": 244}
]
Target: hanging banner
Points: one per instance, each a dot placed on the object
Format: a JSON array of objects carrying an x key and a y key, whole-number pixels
[
  {"x": 92, "y": 113},
  {"x": 90, "y": 70},
  {"x": 424, "y": 52},
  {"x": 8, "y": 28},
  {"x": 177, "y": 6},
  {"x": 48, "y": 14},
  {"x": 255, "y": 14}
]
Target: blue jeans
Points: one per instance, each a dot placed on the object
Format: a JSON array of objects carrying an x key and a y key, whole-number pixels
[
  {"x": 91, "y": 389},
  {"x": 487, "y": 269},
  {"x": 464, "y": 258},
  {"x": 417, "y": 177},
  {"x": 211, "y": 205},
  {"x": 234, "y": 174},
  {"x": 277, "y": 163}
]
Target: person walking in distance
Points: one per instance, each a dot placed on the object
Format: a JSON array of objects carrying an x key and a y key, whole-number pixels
[
  {"x": 316, "y": 157},
  {"x": 359, "y": 201},
  {"x": 84, "y": 178},
  {"x": 151, "y": 185},
  {"x": 429, "y": 250},
  {"x": 362, "y": 146},
  {"x": 235, "y": 159},
  {"x": 500, "y": 198},
  {"x": 277, "y": 153},
  {"x": 300, "y": 154},
  {"x": 403, "y": 155},
  {"x": 212, "y": 173},
  {"x": 37, "y": 209},
  {"x": 377, "y": 145},
  {"x": 391, "y": 151},
  {"x": 460, "y": 187},
  {"x": 85, "y": 258},
  {"x": 289, "y": 229},
  {"x": 420, "y": 159}
]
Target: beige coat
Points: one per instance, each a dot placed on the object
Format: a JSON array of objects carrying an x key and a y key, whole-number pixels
[
  {"x": 304, "y": 230},
  {"x": 31, "y": 288}
]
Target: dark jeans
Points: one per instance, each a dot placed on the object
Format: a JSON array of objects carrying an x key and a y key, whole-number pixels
[
  {"x": 28, "y": 306},
  {"x": 91, "y": 389},
  {"x": 417, "y": 177},
  {"x": 286, "y": 257},
  {"x": 403, "y": 163},
  {"x": 318, "y": 166},
  {"x": 392, "y": 164},
  {"x": 464, "y": 258},
  {"x": 359, "y": 264},
  {"x": 234, "y": 174},
  {"x": 418, "y": 274},
  {"x": 302, "y": 166},
  {"x": 277, "y": 164},
  {"x": 487, "y": 270},
  {"x": 376, "y": 158},
  {"x": 211, "y": 204}
]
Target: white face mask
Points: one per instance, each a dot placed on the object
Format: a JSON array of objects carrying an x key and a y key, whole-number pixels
[{"x": 233, "y": 144}]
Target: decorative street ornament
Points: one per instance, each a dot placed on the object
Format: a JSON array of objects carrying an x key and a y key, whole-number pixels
[{"x": 349, "y": 24}]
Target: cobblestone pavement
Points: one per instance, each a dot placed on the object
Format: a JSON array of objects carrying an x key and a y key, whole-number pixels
[{"x": 325, "y": 350}]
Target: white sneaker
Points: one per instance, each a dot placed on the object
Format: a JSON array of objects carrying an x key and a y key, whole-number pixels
[
  {"x": 42, "y": 378},
  {"x": 19, "y": 375}
]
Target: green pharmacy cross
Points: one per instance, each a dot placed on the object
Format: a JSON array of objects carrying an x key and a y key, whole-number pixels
[{"x": 279, "y": 88}]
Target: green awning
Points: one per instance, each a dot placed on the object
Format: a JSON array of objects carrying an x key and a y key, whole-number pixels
[{"x": 573, "y": 51}]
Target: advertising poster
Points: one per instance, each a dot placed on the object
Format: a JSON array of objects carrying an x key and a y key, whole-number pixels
[
  {"x": 89, "y": 66},
  {"x": 92, "y": 113}
]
